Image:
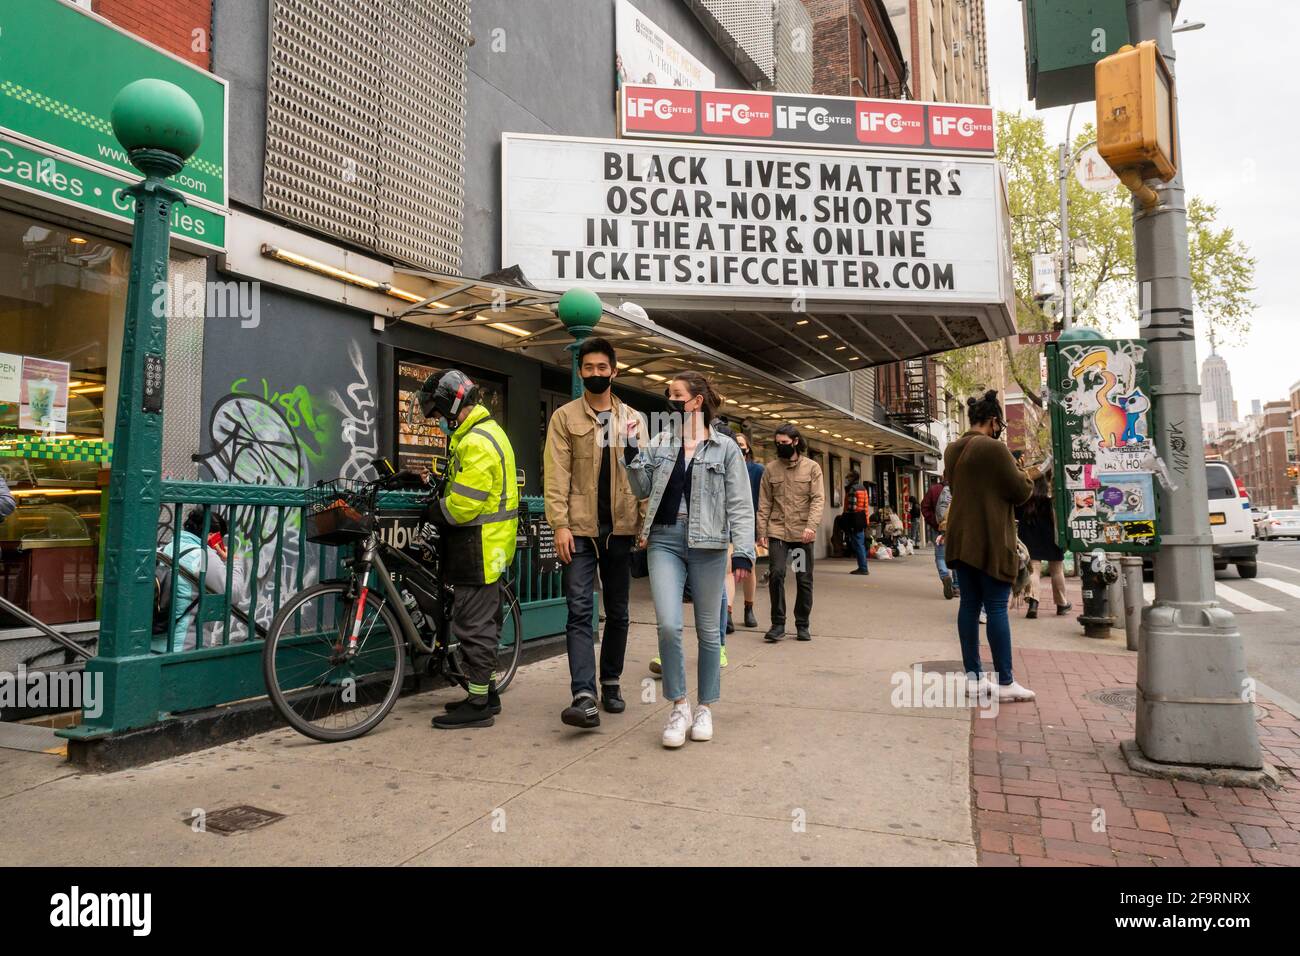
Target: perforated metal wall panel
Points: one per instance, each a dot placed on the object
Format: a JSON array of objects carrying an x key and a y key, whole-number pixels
[
  {"x": 864, "y": 392},
  {"x": 366, "y": 123},
  {"x": 183, "y": 375},
  {"x": 743, "y": 28},
  {"x": 793, "y": 45}
]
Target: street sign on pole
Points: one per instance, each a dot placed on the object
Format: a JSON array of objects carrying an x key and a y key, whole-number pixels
[
  {"x": 1037, "y": 338},
  {"x": 1044, "y": 275},
  {"x": 1092, "y": 173}
]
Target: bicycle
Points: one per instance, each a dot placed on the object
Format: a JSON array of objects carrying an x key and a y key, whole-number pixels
[{"x": 337, "y": 652}]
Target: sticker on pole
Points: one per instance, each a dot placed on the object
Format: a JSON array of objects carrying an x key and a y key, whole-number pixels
[
  {"x": 1092, "y": 172},
  {"x": 1104, "y": 450}
]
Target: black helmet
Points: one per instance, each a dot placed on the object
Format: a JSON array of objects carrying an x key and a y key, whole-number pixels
[{"x": 446, "y": 393}]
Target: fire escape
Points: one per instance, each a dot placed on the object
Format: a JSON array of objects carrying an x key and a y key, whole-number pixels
[{"x": 905, "y": 390}]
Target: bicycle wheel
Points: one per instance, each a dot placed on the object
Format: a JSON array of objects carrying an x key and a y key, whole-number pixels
[
  {"x": 320, "y": 691},
  {"x": 508, "y": 649}
]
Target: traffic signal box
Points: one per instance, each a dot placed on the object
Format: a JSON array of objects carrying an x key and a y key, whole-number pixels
[
  {"x": 1064, "y": 39},
  {"x": 1136, "y": 126}
]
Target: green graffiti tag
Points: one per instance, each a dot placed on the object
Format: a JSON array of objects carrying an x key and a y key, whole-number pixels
[{"x": 305, "y": 415}]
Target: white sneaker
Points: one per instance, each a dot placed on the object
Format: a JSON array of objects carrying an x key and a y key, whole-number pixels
[
  {"x": 973, "y": 689},
  {"x": 679, "y": 718},
  {"x": 702, "y": 728},
  {"x": 1014, "y": 691}
]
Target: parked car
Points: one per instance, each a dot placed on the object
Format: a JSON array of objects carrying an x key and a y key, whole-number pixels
[
  {"x": 1230, "y": 524},
  {"x": 1279, "y": 524}
]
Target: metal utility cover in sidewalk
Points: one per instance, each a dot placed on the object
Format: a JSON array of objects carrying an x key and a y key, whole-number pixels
[{"x": 238, "y": 819}]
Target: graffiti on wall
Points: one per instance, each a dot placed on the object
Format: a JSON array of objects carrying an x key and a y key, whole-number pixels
[{"x": 359, "y": 426}]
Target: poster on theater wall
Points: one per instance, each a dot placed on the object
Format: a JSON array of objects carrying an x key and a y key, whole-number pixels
[
  {"x": 645, "y": 53},
  {"x": 44, "y": 395}
]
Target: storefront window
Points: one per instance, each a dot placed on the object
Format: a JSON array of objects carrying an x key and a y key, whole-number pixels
[{"x": 62, "y": 300}]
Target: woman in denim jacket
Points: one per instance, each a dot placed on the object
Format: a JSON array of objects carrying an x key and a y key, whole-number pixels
[{"x": 699, "y": 502}]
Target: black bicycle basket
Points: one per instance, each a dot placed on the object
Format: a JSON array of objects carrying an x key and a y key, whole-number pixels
[{"x": 339, "y": 512}]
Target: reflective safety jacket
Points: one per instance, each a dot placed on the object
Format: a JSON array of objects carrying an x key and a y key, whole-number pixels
[{"x": 480, "y": 504}]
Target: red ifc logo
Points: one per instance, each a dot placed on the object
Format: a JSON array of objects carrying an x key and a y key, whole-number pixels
[
  {"x": 660, "y": 110},
  {"x": 730, "y": 114},
  {"x": 961, "y": 127},
  {"x": 893, "y": 124}
]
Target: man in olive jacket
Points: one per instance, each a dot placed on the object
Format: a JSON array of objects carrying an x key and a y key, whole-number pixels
[
  {"x": 595, "y": 516},
  {"x": 790, "y": 503}
]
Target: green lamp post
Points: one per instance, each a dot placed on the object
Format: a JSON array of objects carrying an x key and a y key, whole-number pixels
[
  {"x": 580, "y": 311},
  {"x": 160, "y": 127}
]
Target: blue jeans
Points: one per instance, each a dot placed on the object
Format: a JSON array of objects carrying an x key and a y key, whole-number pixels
[
  {"x": 939, "y": 563},
  {"x": 859, "y": 539},
  {"x": 980, "y": 590},
  {"x": 722, "y": 619},
  {"x": 608, "y": 555},
  {"x": 672, "y": 563}
]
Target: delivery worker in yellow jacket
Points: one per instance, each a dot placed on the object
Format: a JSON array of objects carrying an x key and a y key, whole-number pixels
[{"x": 479, "y": 515}]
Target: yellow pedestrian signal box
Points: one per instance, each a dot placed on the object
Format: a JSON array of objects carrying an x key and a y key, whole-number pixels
[{"x": 1136, "y": 125}]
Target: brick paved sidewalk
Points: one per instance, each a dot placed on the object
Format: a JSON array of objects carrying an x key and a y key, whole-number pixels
[{"x": 1041, "y": 771}]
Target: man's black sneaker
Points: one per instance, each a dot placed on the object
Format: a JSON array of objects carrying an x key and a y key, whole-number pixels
[
  {"x": 493, "y": 701},
  {"x": 859, "y": 571},
  {"x": 949, "y": 592},
  {"x": 611, "y": 698},
  {"x": 750, "y": 620},
  {"x": 1062, "y": 609},
  {"x": 801, "y": 633},
  {"x": 582, "y": 712},
  {"x": 775, "y": 633},
  {"x": 466, "y": 715}
]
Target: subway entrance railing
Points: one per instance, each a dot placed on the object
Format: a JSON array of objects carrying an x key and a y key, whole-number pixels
[{"x": 208, "y": 649}]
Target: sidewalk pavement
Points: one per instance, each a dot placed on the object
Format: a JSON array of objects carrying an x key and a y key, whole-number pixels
[{"x": 812, "y": 763}]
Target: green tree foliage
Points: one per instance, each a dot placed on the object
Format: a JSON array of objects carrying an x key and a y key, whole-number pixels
[{"x": 1104, "y": 292}]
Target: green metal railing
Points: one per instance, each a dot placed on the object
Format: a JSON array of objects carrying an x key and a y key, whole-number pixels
[{"x": 211, "y": 652}]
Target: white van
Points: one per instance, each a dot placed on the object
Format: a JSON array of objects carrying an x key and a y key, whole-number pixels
[{"x": 1230, "y": 522}]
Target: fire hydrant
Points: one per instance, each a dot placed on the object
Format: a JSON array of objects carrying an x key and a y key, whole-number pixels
[{"x": 1097, "y": 574}]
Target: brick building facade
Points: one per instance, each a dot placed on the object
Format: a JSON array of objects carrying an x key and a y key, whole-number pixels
[
  {"x": 855, "y": 50},
  {"x": 1260, "y": 452},
  {"x": 182, "y": 27}
]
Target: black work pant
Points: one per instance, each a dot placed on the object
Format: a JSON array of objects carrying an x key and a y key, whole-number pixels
[
  {"x": 609, "y": 556},
  {"x": 800, "y": 555},
  {"x": 476, "y": 618}
]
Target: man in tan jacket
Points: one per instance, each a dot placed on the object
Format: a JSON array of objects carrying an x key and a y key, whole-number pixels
[
  {"x": 790, "y": 502},
  {"x": 590, "y": 505}
]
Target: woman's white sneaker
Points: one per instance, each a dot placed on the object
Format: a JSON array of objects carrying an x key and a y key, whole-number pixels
[
  {"x": 679, "y": 718},
  {"x": 1014, "y": 691},
  {"x": 702, "y": 728}
]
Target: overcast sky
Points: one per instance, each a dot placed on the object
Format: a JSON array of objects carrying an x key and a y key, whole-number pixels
[{"x": 1236, "y": 83}]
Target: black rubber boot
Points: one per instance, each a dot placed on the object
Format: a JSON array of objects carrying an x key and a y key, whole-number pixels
[
  {"x": 493, "y": 701},
  {"x": 750, "y": 620},
  {"x": 468, "y": 714}
]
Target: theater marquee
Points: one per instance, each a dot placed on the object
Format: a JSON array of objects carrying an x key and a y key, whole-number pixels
[{"x": 699, "y": 220}]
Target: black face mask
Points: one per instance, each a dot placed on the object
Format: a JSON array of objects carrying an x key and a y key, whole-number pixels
[
  {"x": 785, "y": 451},
  {"x": 677, "y": 405},
  {"x": 596, "y": 384}
]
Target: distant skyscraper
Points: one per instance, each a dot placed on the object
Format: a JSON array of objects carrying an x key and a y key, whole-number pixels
[
  {"x": 1256, "y": 407},
  {"x": 1216, "y": 387}
]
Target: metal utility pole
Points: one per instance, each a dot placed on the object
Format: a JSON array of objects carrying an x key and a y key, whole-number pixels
[
  {"x": 1195, "y": 699},
  {"x": 1062, "y": 172}
]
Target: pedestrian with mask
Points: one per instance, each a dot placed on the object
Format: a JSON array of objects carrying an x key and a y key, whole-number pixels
[
  {"x": 596, "y": 517},
  {"x": 790, "y": 503},
  {"x": 980, "y": 542},
  {"x": 1036, "y": 525},
  {"x": 755, "y": 469},
  {"x": 697, "y": 503}
]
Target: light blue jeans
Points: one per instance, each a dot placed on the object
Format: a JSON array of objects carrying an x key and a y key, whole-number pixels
[
  {"x": 939, "y": 562},
  {"x": 672, "y": 563}
]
